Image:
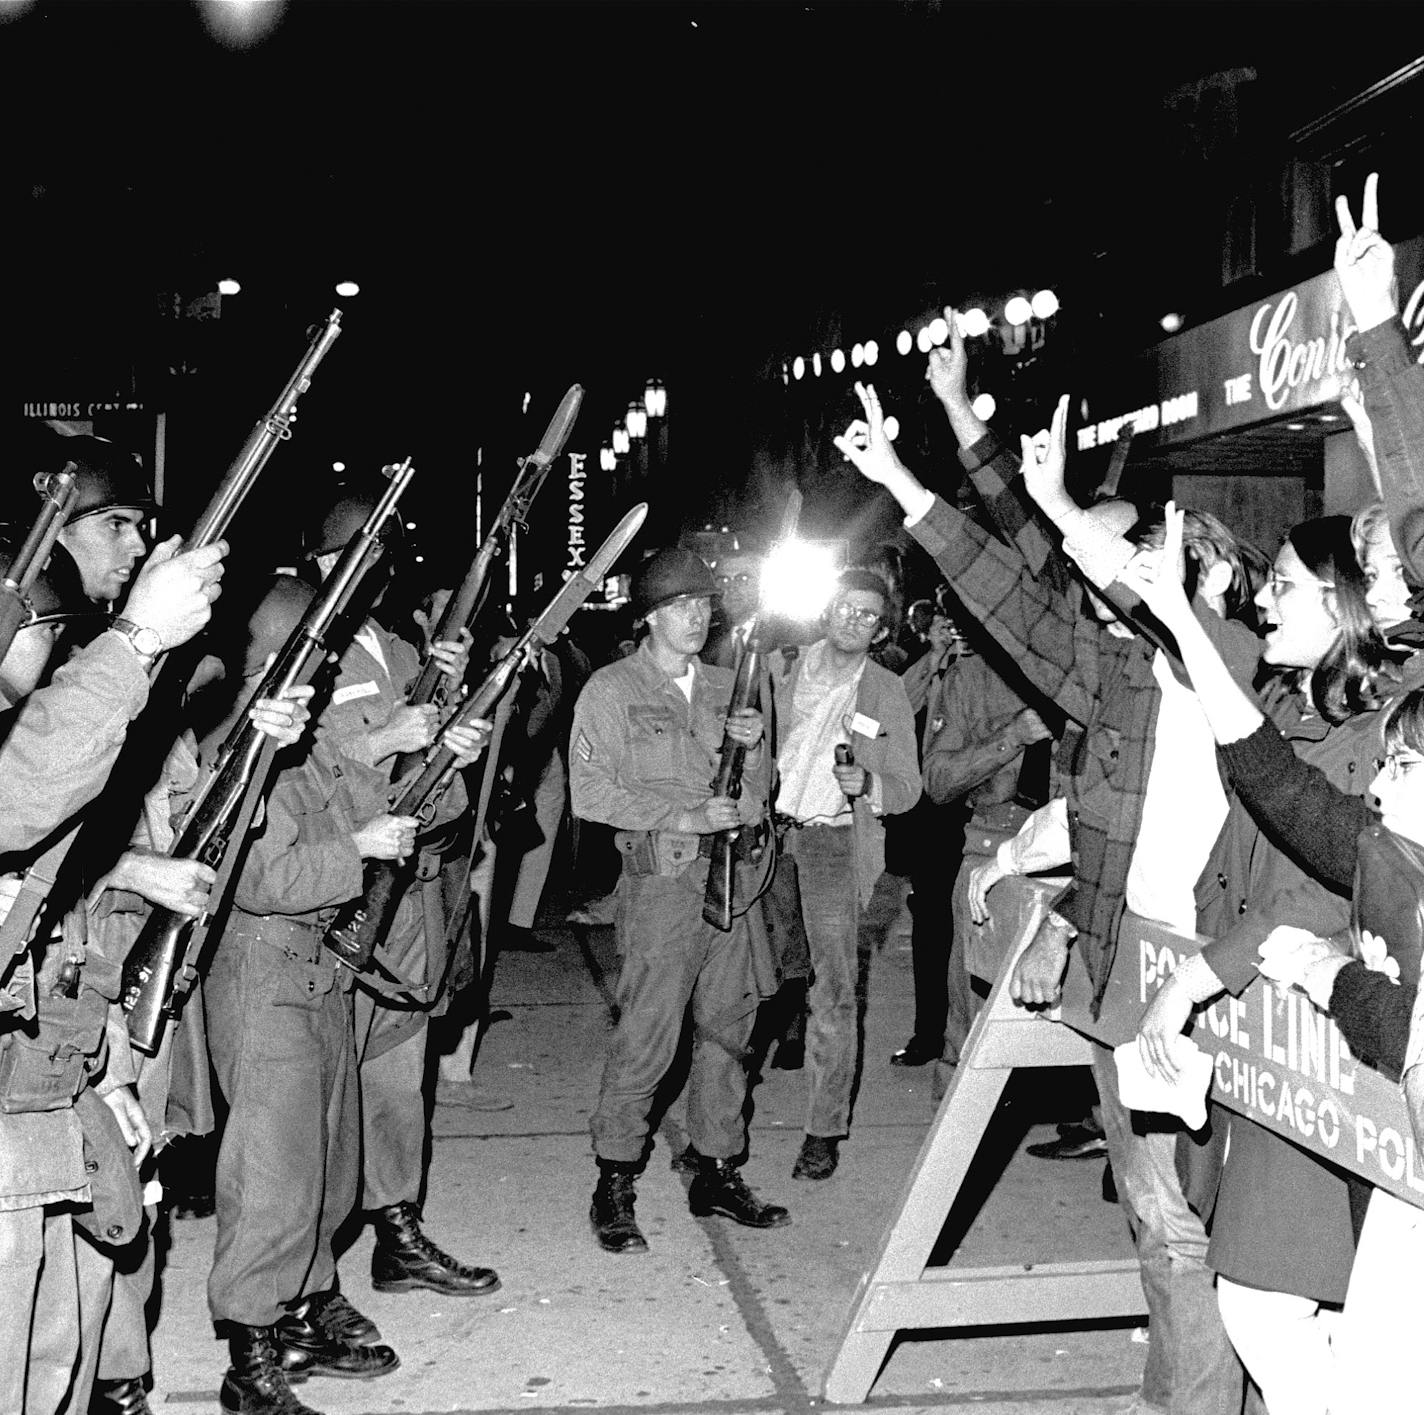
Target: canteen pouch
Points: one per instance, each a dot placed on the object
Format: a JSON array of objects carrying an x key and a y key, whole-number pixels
[
  {"x": 45, "y": 1069},
  {"x": 639, "y": 855},
  {"x": 675, "y": 850},
  {"x": 117, "y": 1195}
]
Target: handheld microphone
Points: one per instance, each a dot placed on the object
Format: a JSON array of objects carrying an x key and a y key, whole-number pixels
[{"x": 845, "y": 757}]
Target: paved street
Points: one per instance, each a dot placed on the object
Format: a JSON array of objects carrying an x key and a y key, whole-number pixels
[{"x": 714, "y": 1318}]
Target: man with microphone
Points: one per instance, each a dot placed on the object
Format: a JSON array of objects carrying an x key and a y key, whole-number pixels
[{"x": 847, "y": 759}]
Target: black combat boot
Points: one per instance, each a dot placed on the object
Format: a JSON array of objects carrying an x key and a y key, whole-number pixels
[
  {"x": 126, "y": 1397},
  {"x": 404, "y": 1258},
  {"x": 720, "y": 1189},
  {"x": 341, "y": 1321},
  {"x": 611, "y": 1212},
  {"x": 307, "y": 1349},
  {"x": 256, "y": 1384}
]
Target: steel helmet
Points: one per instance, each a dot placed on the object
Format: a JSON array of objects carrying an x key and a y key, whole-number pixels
[
  {"x": 674, "y": 573},
  {"x": 270, "y": 624},
  {"x": 106, "y": 476}
]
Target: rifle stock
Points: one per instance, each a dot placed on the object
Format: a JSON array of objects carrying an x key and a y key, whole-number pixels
[{"x": 162, "y": 965}]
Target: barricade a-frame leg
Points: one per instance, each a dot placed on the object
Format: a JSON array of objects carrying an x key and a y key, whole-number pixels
[{"x": 900, "y": 1293}]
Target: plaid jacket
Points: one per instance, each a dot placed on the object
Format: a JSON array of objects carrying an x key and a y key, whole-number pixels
[{"x": 1015, "y": 583}]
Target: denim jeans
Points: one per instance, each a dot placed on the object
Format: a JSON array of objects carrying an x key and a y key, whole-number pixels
[
  {"x": 1192, "y": 1367},
  {"x": 830, "y": 905}
]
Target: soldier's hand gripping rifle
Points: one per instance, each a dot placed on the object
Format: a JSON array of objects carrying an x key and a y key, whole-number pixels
[
  {"x": 57, "y": 492},
  {"x": 433, "y": 686},
  {"x": 746, "y": 692},
  {"x": 162, "y": 965},
  {"x": 361, "y": 927},
  {"x": 108, "y": 820}
]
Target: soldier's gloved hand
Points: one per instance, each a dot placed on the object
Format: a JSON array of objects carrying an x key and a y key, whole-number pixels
[
  {"x": 410, "y": 729},
  {"x": 180, "y": 885},
  {"x": 386, "y": 838},
  {"x": 715, "y": 814},
  {"x": 469, "y": 741},
  {"x": 174, "y": 593},
  {"x": 133, "y": 1124}
]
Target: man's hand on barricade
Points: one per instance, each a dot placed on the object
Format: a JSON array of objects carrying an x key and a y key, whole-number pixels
[
  {"x": 1028, "y": 727},
  {"x": 1167, "y": 1015},
  {"x": 1038, "y": 975},
  {"x": 982, "y": 878},
  {"x": 1364, "y": 260}
]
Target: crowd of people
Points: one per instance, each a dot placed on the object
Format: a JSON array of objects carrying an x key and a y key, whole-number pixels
[
  {"x": 1130, "y": 696},
  {"x": 1239, "y": 761}
]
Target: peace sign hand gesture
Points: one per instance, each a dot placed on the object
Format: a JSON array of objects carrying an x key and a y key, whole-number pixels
[
  {"x": 1364, "y": 260},
  {"x": 864, "y": 441}
]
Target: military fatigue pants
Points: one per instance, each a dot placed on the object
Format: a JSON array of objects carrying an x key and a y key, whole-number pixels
[
  {"x": 671, "y": 958},
  {"x": 390, "y": 1047},
  {"x": 39, "y": 1309},
  {"x": 279, "y": 1029}
]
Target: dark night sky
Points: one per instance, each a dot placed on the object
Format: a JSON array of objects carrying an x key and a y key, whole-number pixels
[{"x": 535, "y": 194}]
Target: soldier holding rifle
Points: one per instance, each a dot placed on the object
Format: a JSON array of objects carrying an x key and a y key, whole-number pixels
[
  {"x": 370, "y": 722},
  {"x": 643, "y": 750},
  {"x": 60, "y": 743}
]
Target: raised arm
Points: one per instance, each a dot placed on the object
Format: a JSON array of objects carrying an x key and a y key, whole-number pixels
[
  {"x": 1391, "y": 382},
  {"x": 1034, "y": 621}
]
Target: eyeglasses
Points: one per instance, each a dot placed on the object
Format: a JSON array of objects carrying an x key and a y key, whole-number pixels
[
  {"x": 734, "y": 579},
  {"x": 1277, "y": 584},
  {"x": 863, "y": 617},
  {"x": 1397, "y": 764}
]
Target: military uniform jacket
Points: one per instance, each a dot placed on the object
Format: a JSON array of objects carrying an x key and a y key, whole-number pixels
[{"x": 640, "y": 754}]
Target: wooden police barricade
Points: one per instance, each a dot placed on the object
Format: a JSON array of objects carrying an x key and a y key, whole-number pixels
[{"x": 1276, "y": 1059}]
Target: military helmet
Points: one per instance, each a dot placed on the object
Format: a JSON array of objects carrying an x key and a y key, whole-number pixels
[
  {"x": 106, "y": 476},
  {"x": 270, "y": 624},
  {"x": 674, "y": 573},
  {"x": 330, "y": 531}
]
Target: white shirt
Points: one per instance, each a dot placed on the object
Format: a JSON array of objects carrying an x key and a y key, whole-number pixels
[
  {"x": 820, "y": 714},
  {"x": 1183, "y": 809}
]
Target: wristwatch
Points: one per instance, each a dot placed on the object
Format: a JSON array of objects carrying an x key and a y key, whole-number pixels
[{"x": 146, "y": 642}]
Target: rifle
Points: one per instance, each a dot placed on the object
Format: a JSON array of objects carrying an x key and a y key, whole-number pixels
[
  {"x": 57, "y": 492},
  {"x": 162, "y": 965},
  {"x": 465, "y": 603},
  {"x": 275, "y": 427},
  {"x": 746, "y": 692},
  {"x": 363, "y": 925},
  {"x": 106, "y": 819}
]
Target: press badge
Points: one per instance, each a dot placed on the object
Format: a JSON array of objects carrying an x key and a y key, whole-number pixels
[
  {"x": 865, "y": 726},
  {"x": 353, "y": 691}
]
